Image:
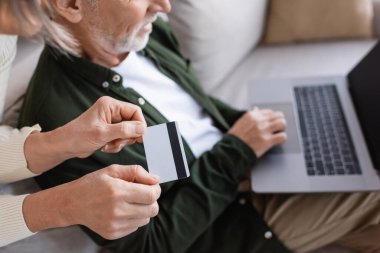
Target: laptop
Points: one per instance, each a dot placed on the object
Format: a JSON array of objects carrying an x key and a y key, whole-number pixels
[{"x": 333, "y": 128}]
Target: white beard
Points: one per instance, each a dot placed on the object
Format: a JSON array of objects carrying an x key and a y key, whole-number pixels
[
  {"x": 135, "y": 41},
  {"x": 132, "y": 43}
]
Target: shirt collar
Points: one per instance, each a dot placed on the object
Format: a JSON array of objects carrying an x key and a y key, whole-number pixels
[{"x": 94, "y": 73}]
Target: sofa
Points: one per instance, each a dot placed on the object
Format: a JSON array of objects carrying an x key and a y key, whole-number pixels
[
  {"x": 226, "y": 50},
  {"x": 222, "y": 39}
]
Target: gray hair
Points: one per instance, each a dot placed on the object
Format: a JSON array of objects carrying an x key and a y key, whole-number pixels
[{"x": 53, "y": 33}]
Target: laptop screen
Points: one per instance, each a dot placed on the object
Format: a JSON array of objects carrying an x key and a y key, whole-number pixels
[{"x": 364, "y": 84}]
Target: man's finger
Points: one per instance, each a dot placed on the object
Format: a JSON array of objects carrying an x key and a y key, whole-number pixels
[
  {"x": 279, "y": 138},
  {"x": 277, "y": 115},
  {"x": 277, "y": 125},
  {"x": 266, "y": 112}
]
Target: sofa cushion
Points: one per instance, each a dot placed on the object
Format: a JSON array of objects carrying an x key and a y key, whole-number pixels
[
  {"x": 304, "y": 20},
  {"x": 291, "y": 61},
  {"x": 217, "y": 34}
]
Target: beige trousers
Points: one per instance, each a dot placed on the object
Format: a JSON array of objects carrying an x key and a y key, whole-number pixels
[{"x": 306, "y": 222}]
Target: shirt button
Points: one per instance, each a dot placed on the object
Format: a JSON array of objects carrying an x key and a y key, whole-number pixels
[
  {"x": 116, "y": 78},
  {"x": 242, "y": 201},
  {"x": 105, "y": 84},
  {"x": 268, "y": 235},
  {"x": 141, "y": 101}
]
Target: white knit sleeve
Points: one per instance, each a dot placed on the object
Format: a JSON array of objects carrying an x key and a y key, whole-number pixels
[
  {"x": 8, "y": 50},
  {"x": 13, "y": 165},
  {"x": 12, "y": 222}
]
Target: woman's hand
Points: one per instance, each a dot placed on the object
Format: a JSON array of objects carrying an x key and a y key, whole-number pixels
[
  {"x": 112, "y": 202},
  {"x": 108, "y": 125}
]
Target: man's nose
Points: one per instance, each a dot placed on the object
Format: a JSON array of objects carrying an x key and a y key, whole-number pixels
[{"x": 160, "y": 6}]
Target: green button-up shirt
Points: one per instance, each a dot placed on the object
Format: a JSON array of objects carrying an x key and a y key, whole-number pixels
[{"x": 204, "y": 213}]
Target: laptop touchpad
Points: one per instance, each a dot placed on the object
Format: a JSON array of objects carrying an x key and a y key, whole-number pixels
[{"x": 292, "y": 145}]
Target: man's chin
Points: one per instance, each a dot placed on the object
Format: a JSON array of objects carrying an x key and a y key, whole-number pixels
[
  {"x": 137, "y": 45},
  {"x": 143, "y": 44}
]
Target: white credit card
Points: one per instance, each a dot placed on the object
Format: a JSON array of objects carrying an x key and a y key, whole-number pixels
[{"x": 164, "y": 152}]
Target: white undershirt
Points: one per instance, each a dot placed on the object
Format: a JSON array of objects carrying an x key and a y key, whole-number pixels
[{"x": 171, "y": 100}]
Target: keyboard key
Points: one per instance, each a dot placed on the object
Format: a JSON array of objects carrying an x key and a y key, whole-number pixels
[{"x": 340, "y": 172}]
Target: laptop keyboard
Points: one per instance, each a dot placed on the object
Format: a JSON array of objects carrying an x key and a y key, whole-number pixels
[{"x": 327, "y": 142}]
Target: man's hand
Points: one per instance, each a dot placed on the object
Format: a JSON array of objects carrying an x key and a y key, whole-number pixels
[
  {"x": 260, "y": 129},
  {"x": 112, "y": 202}
]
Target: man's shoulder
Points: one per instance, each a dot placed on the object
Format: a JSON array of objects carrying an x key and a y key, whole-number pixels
[
  {"x": 46, "y": 100},
  {"x": 46, "y": 74}
]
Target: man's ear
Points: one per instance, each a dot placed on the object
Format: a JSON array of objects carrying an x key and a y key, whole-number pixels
[{"x": 71, "y": 10}]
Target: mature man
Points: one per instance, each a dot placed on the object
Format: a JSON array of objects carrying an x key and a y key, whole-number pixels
[{"x": 208, "y": 212}]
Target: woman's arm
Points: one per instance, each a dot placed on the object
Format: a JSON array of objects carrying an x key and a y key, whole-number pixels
[
  {"x": 108, "y": 125},
  {"x": 113, "y": 202}
]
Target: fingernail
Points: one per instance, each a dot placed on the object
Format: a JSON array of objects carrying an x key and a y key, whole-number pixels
[
  {"x": 139, "y": 129},
  {"x": 156, "y": 177}
]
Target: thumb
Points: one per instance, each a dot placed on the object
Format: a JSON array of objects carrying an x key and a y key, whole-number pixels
[
  {"x": 125, "y": 130},
  {"x": 133, "y": 173}
]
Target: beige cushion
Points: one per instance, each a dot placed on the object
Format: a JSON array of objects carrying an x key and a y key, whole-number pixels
[
  {"x": 304, "y": 20},
  {"x": 216, "y": 35}
]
